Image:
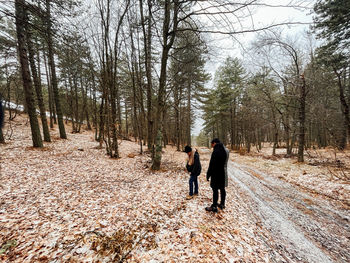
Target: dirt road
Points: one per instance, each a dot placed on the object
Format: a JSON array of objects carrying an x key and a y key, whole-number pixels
[{"x": 304, "y": 227}]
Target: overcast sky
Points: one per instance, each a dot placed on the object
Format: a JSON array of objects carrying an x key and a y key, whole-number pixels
[{"x": 222, "y": 46}]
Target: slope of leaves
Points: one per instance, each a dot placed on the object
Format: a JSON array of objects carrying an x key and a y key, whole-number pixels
[{"x": 69, "y": 202}]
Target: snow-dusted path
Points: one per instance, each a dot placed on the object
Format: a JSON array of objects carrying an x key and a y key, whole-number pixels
[{"x": 304, "y": 227}]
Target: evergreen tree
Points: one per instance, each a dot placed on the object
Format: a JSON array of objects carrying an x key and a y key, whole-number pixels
[
  {"x": 21, "y": 20},
  {"x": 187, "y": 82},
  {"x": 221, "y": 104},
  {"x": 332, "y": 21}
]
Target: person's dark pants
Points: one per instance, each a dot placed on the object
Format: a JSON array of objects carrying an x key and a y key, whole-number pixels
[
  {"x": 193, "y": 181},
  {"x": 216, "y": 196}
]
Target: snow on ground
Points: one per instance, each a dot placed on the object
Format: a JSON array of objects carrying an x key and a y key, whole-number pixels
[
  {"x": 306, "y": 227},
  {"x": 69, "y": 202},
  {"x": 317, "y": 174}
]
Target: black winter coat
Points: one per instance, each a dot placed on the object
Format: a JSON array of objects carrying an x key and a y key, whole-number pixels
[
  {"x": 216, "y": 170},
  {"x": 196, "y": 167}
]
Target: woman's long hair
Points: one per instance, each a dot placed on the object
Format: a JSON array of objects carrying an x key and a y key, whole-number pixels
[{"x": 191, "y": 158}]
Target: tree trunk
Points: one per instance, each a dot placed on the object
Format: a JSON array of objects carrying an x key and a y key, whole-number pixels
[
  {"x": 21, "y": 20},
  {"x": 37, "y": 85},
  {"x": 234, "y": 133},
  {"x": 232, "y": 126},
  {"x": 53, "y": 73},
  {"x": 137, "y": 83},
  {"x": 168, "y": 41},
  {"x": 164, "y": 125},
  {"x": 147, "y": 42},
  {"x": 76, "y": 104},
  {"x": 102, "y": 121},
  {"x": 275, "y": 142},
  {"x": 49, "y": 91},
  {"x": 136, "y": 122},
  {"x": 177, "y": 117},
  {"x": 71, "y": 102},
  {"x": 160, "y": 104},
  {"x": 86, "y": 107},
  {"x": 2, "y": 139},
  {"x": 301, "y": 140},
  {"x": 188, "y": 128},
  {"x": 142, "y": 111},
  {"x": 114, "y": 143},
  {"x": 288, "y": 141},
  {"x": 8, "y": 90},
  {"x": 94, "y": 99},
  {"x": 345, "y": 111},
  {"x": 2, "y": 117},
  {"x": 126, "y": 121},
  {"x": 158, "y": 152}
]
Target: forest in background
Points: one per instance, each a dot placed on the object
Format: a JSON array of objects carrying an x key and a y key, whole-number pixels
[{"x": 136, "y": 70}]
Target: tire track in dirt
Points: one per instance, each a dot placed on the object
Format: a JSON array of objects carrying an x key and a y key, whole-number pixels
[{"x": 307, "y": 228}]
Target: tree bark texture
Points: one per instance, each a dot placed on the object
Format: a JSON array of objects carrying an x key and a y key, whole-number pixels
[
  {"x": 37, "y": 85},
  {"x": 21, "y": 20},
  {"x": 302, "y": 100},
  {"x": 345, "y": 112},
  {"x": 52, "y": 66},
  {"x": 168, "y": 41}
]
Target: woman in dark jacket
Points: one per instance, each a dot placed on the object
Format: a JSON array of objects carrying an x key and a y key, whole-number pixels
[
  {"x": 194, "y": 167},
  {"x": 216, "y": 172}
]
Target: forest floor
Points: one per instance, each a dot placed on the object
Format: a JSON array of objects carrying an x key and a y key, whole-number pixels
[{"x": 69, "y": 202}]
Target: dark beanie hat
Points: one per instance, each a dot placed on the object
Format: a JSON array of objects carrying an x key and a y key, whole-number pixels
[
  {"x": 187, "y": 149},
  {"x": 216, "y": 140}
]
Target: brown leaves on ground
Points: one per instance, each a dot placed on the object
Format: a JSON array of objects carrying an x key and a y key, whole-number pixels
[{"x": 64, "y": 204}]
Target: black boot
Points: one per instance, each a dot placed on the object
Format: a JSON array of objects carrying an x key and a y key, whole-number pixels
[
  {"x": 221, "y": 206},
  {"x": 211, "y": 209}
]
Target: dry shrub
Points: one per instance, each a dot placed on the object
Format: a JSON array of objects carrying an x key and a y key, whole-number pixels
[
  {"x": 118, "y": 244},
  {"x": 242, "y": 151}
]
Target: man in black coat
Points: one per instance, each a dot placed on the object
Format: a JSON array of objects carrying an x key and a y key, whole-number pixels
[{"x": 216, "y": 172}]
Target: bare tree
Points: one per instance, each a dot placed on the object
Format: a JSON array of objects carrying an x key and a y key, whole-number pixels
[{"x": 293, "y": 76}]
